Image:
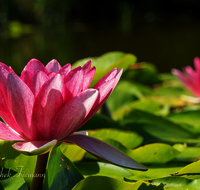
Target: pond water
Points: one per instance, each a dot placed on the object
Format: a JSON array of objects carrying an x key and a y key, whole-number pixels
[{"x": 169, "y": 46}]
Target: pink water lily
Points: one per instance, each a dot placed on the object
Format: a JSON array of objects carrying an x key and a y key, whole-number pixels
[
  {"x": 190, "y": 77},
  {"x": 46, "y": 105}
]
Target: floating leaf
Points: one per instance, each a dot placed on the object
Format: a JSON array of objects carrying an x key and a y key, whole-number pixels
[
  {"x": 154, "y": 172},
  {"x": 154, "y": 153},
  {"x": 22, "y": 164},
  {"x": 10, "y": 180},
  {"x": 106, "y": 183},
  {"x": 156, "y": 128},
  {"x": 103, "y": 169},
  {"x": 191, "y": 171},
  {"x": 124, "y": 94},
  {"x": 177, "y": 183},
  {"x": 188, "y": 154},
  {"x": 187, "y": 117},
  {"x": 129, "y": 139}
]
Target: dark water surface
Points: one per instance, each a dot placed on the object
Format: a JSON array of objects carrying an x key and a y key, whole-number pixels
[{"x": 169, "y": 46}]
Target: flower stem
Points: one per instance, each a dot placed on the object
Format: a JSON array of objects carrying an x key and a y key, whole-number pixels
[{"x": 40, "y": 171}]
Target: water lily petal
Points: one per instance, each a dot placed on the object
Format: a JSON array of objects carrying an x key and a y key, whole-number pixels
[
  {"x": 47, "y": 104},
  {"x": 26, "y": 76},
  {"x": 105, "y": 151},
  {"x": 34, "y": 65},
  {"x": 7, "y": 133},
  {"x": 7, "y": 117},
  {"x": 73, "y": 83},
  {"x": 65, "y": 70},
  {"x": 105, "y": 89},
  {"x": 106, "y": 78},
  {"x": 53, "y": 65},
  {"x": 36, "y": 82},
  {"x": 4, "y": 71},
  {"x": 108, "y": 86},
  {"x": 114, "y": 74},
  {"x": 73, "y": 113},
  {"x": 35, "y": 147},
  {"x": 20, "y": 103},
  {"x": 2, "y": 65},
  {"x": 88, "y": 74}
]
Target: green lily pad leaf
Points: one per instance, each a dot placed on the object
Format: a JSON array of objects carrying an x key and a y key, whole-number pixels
[
  {"x": 12, "y": 159},
  {"x": 191, "y": 171},
  {"x": 180, "y": 147},
  {"x": 188, "y": 154},
  {"x": 10, "y": 180},
  {"x": 72, "y": 152},
  {"x": 145, "y": 73},
  {"x": 147, "y": 105},
  {"x": 157, "y": 128},
  {"x": 177, "y": 183},
  {"x": 107, "y": 62},
  {"x": 125, "y": 93},
  {"x": 61, "y": 172},
  {"x": 187, "y": 117},
  {"x": 106, "y": 183},
  {"x": 102, "y": 169},
  {"x": 153, "y": 172},
  {"x": 129, "y": 139},
  {"x": 154, "y": 153}
]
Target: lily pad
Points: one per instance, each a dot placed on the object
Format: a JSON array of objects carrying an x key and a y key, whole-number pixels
[
  {"x": 22, "y": 164},
  {"x": 129, "y": 139},
  {"x": 154, "y": 153},
  {"x": 107, "y": 183}
]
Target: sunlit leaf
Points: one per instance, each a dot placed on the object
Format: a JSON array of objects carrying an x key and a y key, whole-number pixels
[
  {"x": 103, "y": 169},
  {"x": 106, "y": 183},
  {"x": 154, "y": 153},
  {"x": 10, "y": 180},
  {"x": 178, "y": 183},
  {"x": 72, "y": 152},
  {"x": 22, "y": 164},
  {"x": 191, "y": 171},
  {"x": 129, "y": 139}
]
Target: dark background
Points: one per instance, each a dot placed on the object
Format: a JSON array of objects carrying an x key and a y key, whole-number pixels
[{"x": 165, "y": 33}]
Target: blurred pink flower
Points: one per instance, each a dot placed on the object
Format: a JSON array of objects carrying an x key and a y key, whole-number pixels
[
  {"x": 46, "y": 105},
  {"x": 190, "y": 78}
]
